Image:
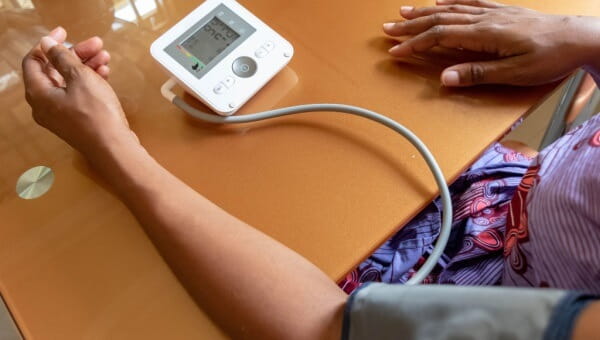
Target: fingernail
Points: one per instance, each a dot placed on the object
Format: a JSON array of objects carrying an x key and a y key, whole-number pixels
[
  {"x": 388, "y": 26},
  {"x": 406, "y": 9},
  {"x": 395, "y": 49},
  {"x": 442, "y": 1},
  {"x": 451, "y": 78},
  {"x": 55, "y": 33},
  {"x": 47, "y": 43}
]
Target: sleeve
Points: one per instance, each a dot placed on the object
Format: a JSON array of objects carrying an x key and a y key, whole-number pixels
[
  {"x": 595, "y": 73},
  {"x": 381, "y": 311}
]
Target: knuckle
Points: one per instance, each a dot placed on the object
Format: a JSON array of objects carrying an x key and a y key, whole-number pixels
[
  {"x": 437, "y": 30},
  {"x": 437, "y": 18},
  {"x": 77, "y": 71},
  {"x": 56, "y": 55},
  {"x": 477, "y": 73}
]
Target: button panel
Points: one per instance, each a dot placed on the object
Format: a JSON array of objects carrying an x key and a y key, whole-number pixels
[{"x": 245, "y": 67}]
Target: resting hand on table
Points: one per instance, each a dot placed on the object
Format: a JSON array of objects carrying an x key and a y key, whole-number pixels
[
  {"x": 69, "y": 95},
  {"x": 530, "y": 48}
]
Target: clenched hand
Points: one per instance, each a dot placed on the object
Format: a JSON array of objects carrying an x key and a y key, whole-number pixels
[{"x": 69, "y": 96}]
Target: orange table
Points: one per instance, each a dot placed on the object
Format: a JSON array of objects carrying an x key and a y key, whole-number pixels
[{"x": 74, "y": 264}]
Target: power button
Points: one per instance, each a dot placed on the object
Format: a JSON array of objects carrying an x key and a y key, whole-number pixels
[{"x": 244, "y": 67}]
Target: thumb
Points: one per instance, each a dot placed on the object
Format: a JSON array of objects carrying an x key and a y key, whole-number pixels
[
  {"x": 488, "y": 72},
  {"x": 63, "y": 60}
]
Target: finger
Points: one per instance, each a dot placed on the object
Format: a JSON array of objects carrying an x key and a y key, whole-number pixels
[
  {"x": 487, "y": 72},
  {"x": 59, "y": 34},
  {"x": 446, "y": 57},
  {"x": 89, "y": 48},
  {"x": 103, "y": 71},
  {"x": 35, "y": 76},
  {"x": 410, "y": 12},
  {"x": 65, "y": 62},
  {"x": 453, "y": 36},
  {"x": 422, "y": 24},
  {"x": 54, "y": 76},
  {"x": 35, "y": 79},
  {"x": 476, "y": 3},
  {"x": 102, "y": 58}
]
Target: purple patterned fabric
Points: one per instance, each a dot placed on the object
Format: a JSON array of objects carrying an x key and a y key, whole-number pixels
[
  {"x": 474, "y": 256},
  {"x": 553, "y": 229}
]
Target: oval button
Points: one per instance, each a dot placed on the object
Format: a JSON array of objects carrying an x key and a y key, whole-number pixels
[{"x": 244, "y": 67}]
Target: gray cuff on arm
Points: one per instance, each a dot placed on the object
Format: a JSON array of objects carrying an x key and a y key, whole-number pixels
[{"x": 380, "y": 311}]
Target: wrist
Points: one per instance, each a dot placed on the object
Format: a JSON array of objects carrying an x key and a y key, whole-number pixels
[
  {"x": 125, "y": 165},
  {"x": 586, "y": 33},
  {"x": 112, "y": 149}
]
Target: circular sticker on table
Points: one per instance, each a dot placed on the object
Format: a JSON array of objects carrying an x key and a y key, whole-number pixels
[{"x": 35, "y": 182}]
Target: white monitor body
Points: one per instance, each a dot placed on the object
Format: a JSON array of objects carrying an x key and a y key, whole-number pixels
[{"x": 222, "y": 54}]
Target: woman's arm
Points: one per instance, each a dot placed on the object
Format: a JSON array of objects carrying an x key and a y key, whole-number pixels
[
  {"x": 249, "y": 283},
  {"x": 260, "y": 289},
  {"x": 528, "y": 47}
]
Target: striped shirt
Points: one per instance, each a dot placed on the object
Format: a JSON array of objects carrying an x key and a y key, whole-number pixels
[{"x": 553, "y": 225}]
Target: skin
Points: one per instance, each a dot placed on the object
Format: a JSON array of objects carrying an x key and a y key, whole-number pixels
[
  {"x": 270, "y": 291},
  {"x": 524, "y": 43}
]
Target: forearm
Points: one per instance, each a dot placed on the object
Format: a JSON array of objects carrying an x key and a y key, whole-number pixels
[
  {"x": 587, "y": 326},
  {"x": 249, "y": 283}
]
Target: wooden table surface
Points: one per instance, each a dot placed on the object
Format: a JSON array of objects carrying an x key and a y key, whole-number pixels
[{"x": 74, "y": 264}]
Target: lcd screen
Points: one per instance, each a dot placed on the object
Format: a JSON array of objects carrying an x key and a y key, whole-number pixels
[{"x": 210, "y": 40}]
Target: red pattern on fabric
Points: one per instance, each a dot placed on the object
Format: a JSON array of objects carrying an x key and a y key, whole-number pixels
[
  {"x": 579, "y": 145},
  {"x": 516, "y": 223},
  {"x": 489, "y": 240},
  {"x": 595, "y": 140},
  {"x": 475, "y": 202},
  {"x": 350, "y": 282}
]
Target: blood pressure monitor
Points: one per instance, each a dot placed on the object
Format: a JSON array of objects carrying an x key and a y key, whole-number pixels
[{"x": 222, "y": 54}]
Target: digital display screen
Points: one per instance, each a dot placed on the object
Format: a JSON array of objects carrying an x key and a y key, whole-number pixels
[{"x": 209, "y": 41}]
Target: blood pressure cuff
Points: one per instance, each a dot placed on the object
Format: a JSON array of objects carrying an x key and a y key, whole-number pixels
[{"x": 382, "y": 311}]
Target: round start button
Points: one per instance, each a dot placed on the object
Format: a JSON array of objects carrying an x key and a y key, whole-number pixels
[{"x": 244, "y": 67}]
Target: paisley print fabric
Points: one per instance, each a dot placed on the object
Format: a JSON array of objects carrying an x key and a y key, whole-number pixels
[{"x": 480, "y": 197}]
